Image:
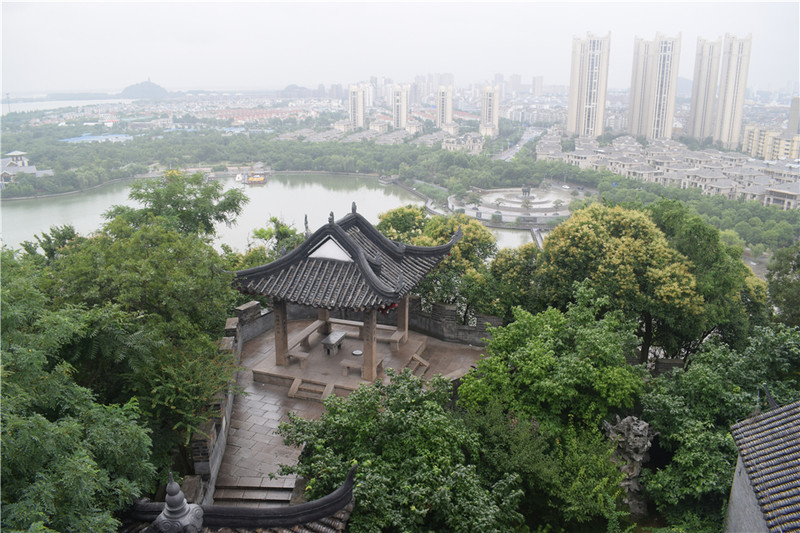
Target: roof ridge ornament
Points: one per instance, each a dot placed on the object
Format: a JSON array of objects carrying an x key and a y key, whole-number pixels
[
  {"x": 177, "y": 514},
  {"x": 353, "y": 208},
  {"x": 330, "y": 218}
]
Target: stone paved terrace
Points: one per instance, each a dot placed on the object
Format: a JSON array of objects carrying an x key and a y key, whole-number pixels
[{"x": 254, "y": 451}]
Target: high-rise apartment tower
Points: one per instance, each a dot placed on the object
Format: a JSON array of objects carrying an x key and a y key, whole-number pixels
[
  {"x": 490, "y": 111},
  {"x": 444, "y": 105},
  {"x": 357, "y": 106},
  {"x": 587, "y": 86},
  {"x": 400, "y": 106},
  {"x": 653, "y": 86},
  {"x": 704, "y": 89},
  {"x": 732, "y": 87}
]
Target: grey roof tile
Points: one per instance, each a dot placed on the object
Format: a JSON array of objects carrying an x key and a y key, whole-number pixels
[
  {"x": 379, "y": 273},
  {"x": 769, "y": 444}
]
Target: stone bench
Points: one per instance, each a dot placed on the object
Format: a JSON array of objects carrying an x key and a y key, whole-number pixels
[
  {"x": 333, "y": 342},
  {"x": 300, "y": 356},
  {"x": 302, "y": 338}
]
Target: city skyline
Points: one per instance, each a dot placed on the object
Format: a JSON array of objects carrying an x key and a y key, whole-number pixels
[{"x": 106, "y": 46}]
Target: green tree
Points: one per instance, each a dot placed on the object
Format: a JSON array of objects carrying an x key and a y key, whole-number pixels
[
  {"x": 559, "y": 374},
  {"x": 416, "y": 462},
  {"x": 69, "y": 463},
  {"x": 783, "y": 278},
  {"x": 511, "y": 280},
  {"x": 191, "y": 203},
  {"x": 460, "y": 279},
  {"x": 734, "y": 299},
  {"x": 626, "y": 258},
  {"x": 693, "y": 409}
]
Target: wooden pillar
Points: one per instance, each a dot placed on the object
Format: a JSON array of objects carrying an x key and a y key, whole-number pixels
[
  {"x": 325, "y": 316},
  {"x": 281, "y": 333},
  {"x": 402, "y": 318},
  {"x": 369, "y": 370}
]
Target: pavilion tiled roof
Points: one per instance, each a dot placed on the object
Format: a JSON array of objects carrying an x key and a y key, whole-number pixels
[
  {"x": 769, "y": 444},
  {"x": 346, "y": 264}
]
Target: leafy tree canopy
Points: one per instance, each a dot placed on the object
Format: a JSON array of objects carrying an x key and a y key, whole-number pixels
[
  {"x": 416, "y": 462},
  {"x": 189, "y": 202},
  {"x": 69, "y": 463},
  {"x": 783, "y": 277},
  {"x": 693, "y": 409},
  {"x": 626, "y": 258},
  {"x": 558, "y": 374}
]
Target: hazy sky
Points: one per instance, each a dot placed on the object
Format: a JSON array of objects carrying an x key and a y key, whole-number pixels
[{"x": 106, "y": 46}]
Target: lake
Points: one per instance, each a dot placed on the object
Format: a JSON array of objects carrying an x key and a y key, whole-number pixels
[{"x": 290, "y": 197}]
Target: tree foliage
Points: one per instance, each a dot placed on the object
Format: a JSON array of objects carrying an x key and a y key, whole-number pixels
[
  {"x": 558, "y": 374},
  {"x": 626, "y": 258},
  {"x": 69, "y": 462},
  {"x": 783, "y": 277},
  {"x": 416, "y": 462},
  {"x": 189, "y": 202},
  {"x": 693, "y": 409}
]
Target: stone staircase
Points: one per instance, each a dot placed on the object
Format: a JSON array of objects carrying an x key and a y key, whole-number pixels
[
  {"x": 418, "y": 365},
  {"x": 310, "y": 390},
  {"x": 262, "y": 493}
]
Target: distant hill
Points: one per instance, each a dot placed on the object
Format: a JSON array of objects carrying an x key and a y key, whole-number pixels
[
  {"x": 684, "y": 87},
  {"x": 145, "y": 89}
]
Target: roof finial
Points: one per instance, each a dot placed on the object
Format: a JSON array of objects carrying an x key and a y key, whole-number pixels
[
  {"x": 177, "y": 514},
  {"x": 330, "y": 218},
  {"x": 305, "y": 225},
  {"x": 353, "y": 208}
]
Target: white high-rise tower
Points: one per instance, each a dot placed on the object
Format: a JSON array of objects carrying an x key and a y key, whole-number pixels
[
  {"x": 704, "y": 89},
  {"x": 400, "y": 106},
  {"x": 587, "y": 85},
  {"x": 358, "y": 109},
  {"x": 444, "y": 105},
  {"x": 654, "y": 84},
  {"x": 732, "y": 87},
  {"x": 490, "y": 111}
]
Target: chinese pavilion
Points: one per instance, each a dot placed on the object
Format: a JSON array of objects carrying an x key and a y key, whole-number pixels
[{"x": 345, "y": 265}]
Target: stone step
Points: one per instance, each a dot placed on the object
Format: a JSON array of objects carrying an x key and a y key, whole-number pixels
[
  {"x": 417, "y": 365},
  {"x": 308, "y": 390},
  {"x": 252, "y": 496}
]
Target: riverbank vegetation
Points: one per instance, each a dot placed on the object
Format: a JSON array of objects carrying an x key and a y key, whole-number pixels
[
  {"x": 109, "y": 362},
  {"x": 439, "y": 172}
]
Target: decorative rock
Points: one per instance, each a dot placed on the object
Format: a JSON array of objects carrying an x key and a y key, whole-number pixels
[{"x": 633, "y": 438}]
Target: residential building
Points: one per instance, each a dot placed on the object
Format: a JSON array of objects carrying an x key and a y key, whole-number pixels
[
  {"x": 444, "y": 105},
  {"x": 770, "y": 143},
  {"x": 794, "y": 116},
  {"x": 654, "y": 83},
  {"x": 400, "y": 106},
  {"x": 490, "y": 111},
  {"x": 537, "y": 86},
  {"x": 14, "y": 164},
  {"x": 704, "y": 89},
  {"x": 358, "y": 107},
  {"x": 587, "y": 85},
  {"x": 732, "y": 87}
]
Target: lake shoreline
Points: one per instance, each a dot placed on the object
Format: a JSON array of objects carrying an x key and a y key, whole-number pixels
[{"x": 146, "y": 176}]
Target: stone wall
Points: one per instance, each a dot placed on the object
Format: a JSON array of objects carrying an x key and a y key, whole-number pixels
[
  {"x": 744, "y": 511},
  {"x": 442, "y": 323},
  {"x": 208, "y": 444}
]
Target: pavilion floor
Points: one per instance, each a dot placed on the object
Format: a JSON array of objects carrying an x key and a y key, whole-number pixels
[
  {"x": 323, "y": 374},
  {"x": 254, "y": 451}
]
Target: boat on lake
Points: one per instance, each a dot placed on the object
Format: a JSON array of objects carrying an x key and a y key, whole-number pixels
[{"x": 258, "y": 175}]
